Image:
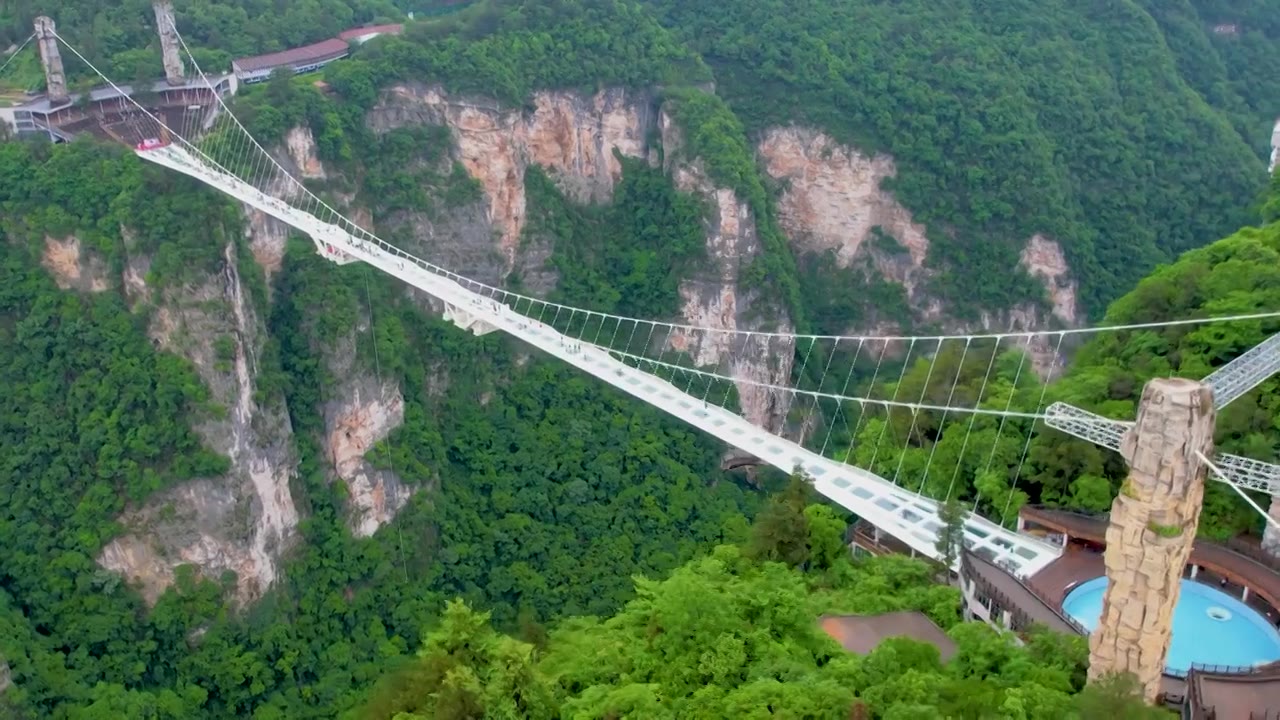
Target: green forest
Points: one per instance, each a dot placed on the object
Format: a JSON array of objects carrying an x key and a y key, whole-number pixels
[{"x": 568, "y": 552}]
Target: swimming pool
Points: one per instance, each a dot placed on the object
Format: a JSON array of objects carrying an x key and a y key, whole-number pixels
[{"x": 1209, "y": 626}]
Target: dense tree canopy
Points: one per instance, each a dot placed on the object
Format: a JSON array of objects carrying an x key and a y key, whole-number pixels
[
  {"x": 1236, "y": 275},
  {"x": 1012, "y": 119},
  {"x": 728, "y": 637}
]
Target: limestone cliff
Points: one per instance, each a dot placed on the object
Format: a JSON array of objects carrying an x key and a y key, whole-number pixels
[
  {"x": 72, "y": 268},
  {"x": 832, "y": 200},
  {"x": 300, "y": 145},
  {"x": 362, "y": 413},
  {"x": 716, "y": 299},
  {"x": 571, "y": 136},
  {"x": 574, "y": 138},
  {"x": 241, "y": 522},
  {"x": 1153, "y": 526},
  {"x": 1275, "y": 147}
]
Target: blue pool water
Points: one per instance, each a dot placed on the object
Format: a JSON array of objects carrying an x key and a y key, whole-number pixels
[{"x": 1209, "y": 627}]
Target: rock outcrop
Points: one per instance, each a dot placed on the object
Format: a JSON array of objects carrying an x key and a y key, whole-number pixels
[
  {"x": 571, "y": 136},
  {"x": 574, "y": 138},
  {"x": 72, "y": 268},
  {"x": 717, "y": 299},
  {"x": 1270, "y": 535},
  {"x": 301, "y": 146},
  {"x": 1275, "y": 147},
  {"x": 832, "y": 201},
  {"x": 1043, "y": 259},
  {"x": 241, "y": 522},
  {"x": 363, "y": 413},
  {"x": 1153, "y": 525}
]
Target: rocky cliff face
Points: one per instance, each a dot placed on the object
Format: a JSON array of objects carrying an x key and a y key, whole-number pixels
[
  {"x": 1153, "y": 526},
  {"x": 1275, "y": 147},
  {"x": 72, "y": 268},
  {"x": 574, "y": 138},
  {"x": 241, "y": 522},
  {"x": 832, "y": 200},
  {"x": 362, "y": 410},
  {"x": 571, "y": 136},
  {"x": 716, "y": 299},
  {"x": 362, "y": 413}
]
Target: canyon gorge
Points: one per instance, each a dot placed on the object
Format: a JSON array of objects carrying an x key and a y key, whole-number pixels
[{"x": 830, "y": 200}]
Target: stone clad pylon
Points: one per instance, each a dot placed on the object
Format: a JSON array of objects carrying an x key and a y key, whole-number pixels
[
  {"x": 55, "y": 78},
  {"x": 1154, "y": 521},
  {"x": 174, "y": 72}
]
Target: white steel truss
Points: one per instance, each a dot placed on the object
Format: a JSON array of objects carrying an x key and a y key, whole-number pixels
[
  {"x": 1246, "y": 372},
  {"x": 1239, "y": 471}
]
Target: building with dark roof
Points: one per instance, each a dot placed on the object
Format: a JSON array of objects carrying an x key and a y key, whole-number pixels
[
  {"x": 860, "y": 634},
  {"x": 300, "y": 60}
]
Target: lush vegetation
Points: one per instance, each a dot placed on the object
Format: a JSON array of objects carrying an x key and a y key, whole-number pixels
[
  {"x": 120, "y": 37},
  {"x": 1048, "y": 118},
  {"x": 735, "y": 635},
  {"x": 983, "y": 174},
  {"x": 1101, "y": 131},
  {"x": 509, "y": 49},
  {"x": 95, "y": 191},
  {"x": 1236, "y": 275},
  {"x": 1128, "y": 136},
  {"x": 627, "y": 257},
  {"x": 547, "y": 493}
]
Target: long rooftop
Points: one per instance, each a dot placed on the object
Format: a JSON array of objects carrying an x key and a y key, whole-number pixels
[{"x": 315, "y": 52}]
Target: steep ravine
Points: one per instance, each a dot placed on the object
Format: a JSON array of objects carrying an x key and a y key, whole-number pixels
[
  {"x": 573, "y": 138},
  {"x": 831, "y": 200},
  {"x": 242, "y": 522}
]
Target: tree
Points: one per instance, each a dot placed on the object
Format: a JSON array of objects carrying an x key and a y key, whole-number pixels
[
  {"x": 826, "y": 537},
  {"x": 950, "y": 543},
  {"x": 781, "y": 530},
  {"x": 465, "y": 670},
  {"x": 1116, "y": 696}
]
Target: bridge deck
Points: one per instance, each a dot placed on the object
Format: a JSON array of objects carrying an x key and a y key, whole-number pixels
[{"x": 909, "y": 517}]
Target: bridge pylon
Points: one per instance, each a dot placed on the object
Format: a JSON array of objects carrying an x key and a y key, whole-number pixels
[{"x": 54, "y": 75}]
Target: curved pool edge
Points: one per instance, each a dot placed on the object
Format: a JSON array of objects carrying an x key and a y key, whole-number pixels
[{"x": 1082, "y": 598}]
